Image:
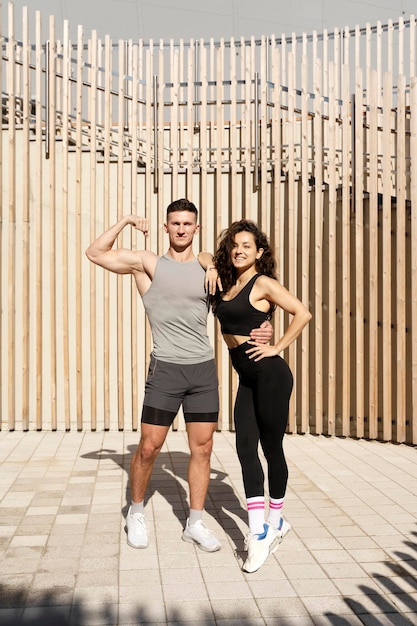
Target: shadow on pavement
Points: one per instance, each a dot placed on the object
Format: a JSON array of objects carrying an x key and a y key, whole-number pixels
[
  {"x": 397, "y": 602},
  {"x": 169, "y": 479}
]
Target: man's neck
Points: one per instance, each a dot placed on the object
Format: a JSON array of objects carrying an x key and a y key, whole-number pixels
[{"x": 181, "y": 256}]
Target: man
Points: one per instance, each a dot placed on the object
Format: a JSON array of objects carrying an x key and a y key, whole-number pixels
[{"x": 182, "y": 368}]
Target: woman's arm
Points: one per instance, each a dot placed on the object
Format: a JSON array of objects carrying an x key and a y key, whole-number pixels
[{"x": 271, "y": 290}]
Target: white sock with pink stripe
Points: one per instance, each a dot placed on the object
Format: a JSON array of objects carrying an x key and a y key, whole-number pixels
[
  {"x": 275, "y": 508},
  {"x": 256, "y": 514}
]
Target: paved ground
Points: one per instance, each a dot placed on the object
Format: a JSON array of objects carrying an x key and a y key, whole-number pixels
[{"x": 351, "y": 558}]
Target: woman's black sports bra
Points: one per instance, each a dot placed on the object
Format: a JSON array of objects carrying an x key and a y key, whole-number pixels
[{"x": 238, "y": 316}]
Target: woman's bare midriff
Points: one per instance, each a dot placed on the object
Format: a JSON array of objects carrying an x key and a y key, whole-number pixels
[{"x": 233, "y": 341}]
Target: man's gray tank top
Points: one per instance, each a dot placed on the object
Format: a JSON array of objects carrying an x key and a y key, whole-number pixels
[{"x": 176, "y": 306}]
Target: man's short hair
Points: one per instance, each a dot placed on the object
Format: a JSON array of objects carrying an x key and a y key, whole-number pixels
[{"x": 182, "y": 205}]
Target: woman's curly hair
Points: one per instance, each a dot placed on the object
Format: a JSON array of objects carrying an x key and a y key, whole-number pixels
[{"x": 222, "y": 258}]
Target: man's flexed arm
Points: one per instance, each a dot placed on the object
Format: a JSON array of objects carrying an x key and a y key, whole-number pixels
[{"x": 121, "y": 261}]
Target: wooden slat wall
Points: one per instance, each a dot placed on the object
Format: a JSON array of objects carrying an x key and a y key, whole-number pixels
[{"x": 310, "y": 136}]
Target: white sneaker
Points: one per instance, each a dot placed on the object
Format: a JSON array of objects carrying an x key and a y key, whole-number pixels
[
  {"x": 259, "y": 547},
  {"x": 137, "y": 531},
  {"x": 199, "y": 533},
  {"x": 283, "y": 528}
]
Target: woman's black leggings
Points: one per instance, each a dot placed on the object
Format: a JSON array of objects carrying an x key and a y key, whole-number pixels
[{"x": 261, "y": 415}]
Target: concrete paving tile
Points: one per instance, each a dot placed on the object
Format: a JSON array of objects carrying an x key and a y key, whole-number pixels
[
  {"x": 283, "y": 608},
  {"x": 373, "y": 604},
  {"x": 332, "y": 556},
  {"x": 322, "y": 605},
  {"x": 11, "y": 616},
  {"x": 227, "y": 573},
  {"x": 24, "y": 552},
  {"x": 131, "y": 578},
  {"x": 50, "y": 564},
  {"x": 97, "y": 579},
  {"x": 296, "y": 571},
  {"x": 246, "y": 608},
  {"x": 405, "y": 602},
  {"x": 58, "y": 596},
  {"x": 96, "y": 595},
  {"x": 185, "y": 560},
  {"x": 193, "y": 611},
  {"x": 185, "y": 592},
  {"x": 191, "y": 575},
  {"x": 325, "y": 543},
  {"x": 239, "y": 622},
  {"x": 12, "y": 566},
  {"x": 147, "y": 612},
  {"x": 330, "y": 619},
  {"x": 49, "y": 580},
  {"x": 67, "y": 530},
  {"x": 107, "y": 615},
  {"x": 358, "y": 542},
  {"x": 141, "y": 591},
  {"x": 397, "y": 584},
  {"x": 353, "y": 586},
  {"x": 71, "y": 518},
  {"x": 317, "y": 588},
  {"x": 343, "y": 570},
  {"x": 46, "y": 615},
  {"x": 370, "y": 555},
  {"x": 386, "y": 620},
  {"x": 290, "y": 621},
  {"x": 97, "y": 564},
  {"x": 280, "y": 588}
]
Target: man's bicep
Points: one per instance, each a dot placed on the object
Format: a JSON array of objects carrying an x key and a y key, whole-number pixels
[{"x": 121, "y": 261}]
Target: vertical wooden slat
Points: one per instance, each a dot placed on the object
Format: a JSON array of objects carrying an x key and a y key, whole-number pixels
[
  {"x": 331, "y": 393},
  {"x": 190, "y": 119},
  {"x": 204, "y": 209},
  {"x": 2, "y": 242},
  {"x": 305, "y": 244},
  {"x": 25, "y": 226},
  {"x": 387, "y": 265},
  {"x": 412, "y": 47},
  {"x": 106, "y": 210},
  {"x": 246, "y": 128},
  {"x": 276, "y": 141},
  {"x": 413, "y": 248},
  {"x": 78, "y": 209},
  {"x": 52, "y": 220},
  {"x": 291, "y": 210},
  {"x": 149, "y": 164},
  {"x": 224, "y": 420},
  {"x": 233, "y": 136},
  {"x": 346, "y": 256},
  {"x": 373, "y": 257},
  {"x": 66, "y": 99},
  {"x": 359, "y": 254},
  {"x": 400, "y": 279},
  {"x": 92, "y": 102},
  {"x": 263, "y": 138},
  {"x": 134, "y": 127},
  {"x": 174, "y": 120},
  {"x": 39, "y": 56},
  {"x": 11, "y": 158},
  {"x": 318, "y": 249},
  {"x": 161, "y": 143},
  {"x": 379, "y": 71},
  {"x": 120, "y": 279}
]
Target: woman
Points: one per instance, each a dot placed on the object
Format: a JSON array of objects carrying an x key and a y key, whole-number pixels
[{"x": 250, "y": 292}]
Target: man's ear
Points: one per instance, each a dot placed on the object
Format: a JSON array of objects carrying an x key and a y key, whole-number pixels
[{"x": 165, "y": 228}]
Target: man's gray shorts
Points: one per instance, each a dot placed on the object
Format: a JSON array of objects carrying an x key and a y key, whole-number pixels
[{"x": 170, "y": 385}]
